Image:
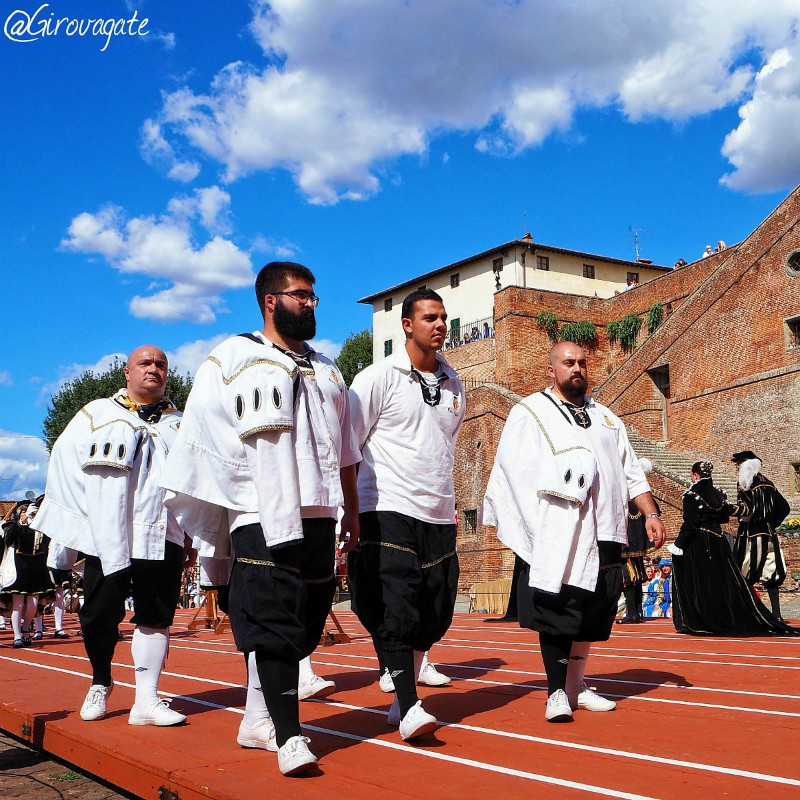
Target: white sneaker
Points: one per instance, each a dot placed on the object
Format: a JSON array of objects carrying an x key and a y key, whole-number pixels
[
  {"x": 430, "y": 676},
  {"x": 261, "y": 735},
  {"x": 156, "y": 712},
  {"x": 589, "y": 700},
  {"x": 674, "y": 549},
  {"x": 394, "y": 713},
  {"x": 295, "y": 756},
  {"x": 94, "y": 706},
  {"x": 316, "y": 689},
  {"x": 386, "y": 683},
  {"x": 417, "y": 722},
  {"x": 558, "y": 707}
]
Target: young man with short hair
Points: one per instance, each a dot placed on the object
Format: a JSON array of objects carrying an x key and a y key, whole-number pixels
[{"x": 407, "y": 412}]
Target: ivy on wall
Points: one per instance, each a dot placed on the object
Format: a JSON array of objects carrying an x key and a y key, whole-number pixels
[
  {"x": 655, "y": 317},
  {"x": 547, "y": 321},
  {"x": 625, "y": 331},
  {"x": 579, "y": 332}
]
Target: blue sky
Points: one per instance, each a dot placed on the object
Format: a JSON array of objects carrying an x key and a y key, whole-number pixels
[{"x": 143, "y": 184}]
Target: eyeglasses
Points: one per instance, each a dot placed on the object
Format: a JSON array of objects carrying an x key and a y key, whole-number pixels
[{"x": 302, "y": 296}]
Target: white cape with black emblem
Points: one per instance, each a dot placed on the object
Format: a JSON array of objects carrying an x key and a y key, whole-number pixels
[
  {"x": 535, "y": 498},
  {"x": 102, "y": 496},
  {"x": 248, "y": 448},
  {"x": 537, "y": 495}
]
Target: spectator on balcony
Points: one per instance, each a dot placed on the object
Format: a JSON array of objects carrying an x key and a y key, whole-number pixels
[{"x": 487, "y": 331}]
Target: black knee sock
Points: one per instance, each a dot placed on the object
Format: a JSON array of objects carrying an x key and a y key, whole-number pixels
[
  {"x": 555, "y": 654},
  {"x": 400, "y": 664},
  {"x": 279, "y": 684},
  {"x": 630, "y": 603},
  {"x": 100, "y": 647}
]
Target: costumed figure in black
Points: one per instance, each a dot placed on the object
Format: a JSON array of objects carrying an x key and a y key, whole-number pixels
[
  {"x": 634, "y": 573},
  {"x": 761, "y": 508},
  {"x": 24, "y": 573},
  {"x": 709, "y": 593}
]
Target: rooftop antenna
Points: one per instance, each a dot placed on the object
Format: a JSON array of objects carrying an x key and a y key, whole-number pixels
[
  {"x": 524, "y": 222},
  {"x": 636, "y": 232}
]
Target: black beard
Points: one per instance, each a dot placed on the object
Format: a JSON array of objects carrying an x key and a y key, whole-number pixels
[
  {"x": 575, "y": 394},
  {"x": 300, "y": 327}
]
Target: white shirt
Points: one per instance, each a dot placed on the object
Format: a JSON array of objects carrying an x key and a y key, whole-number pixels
[
  {"x": 102, "y": 496},
  {"x": 558, "y": 535},
  {"x": 407, "y": 446}
]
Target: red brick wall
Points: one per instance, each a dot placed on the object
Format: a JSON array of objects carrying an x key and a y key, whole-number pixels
[{"x": 734, "y": 384}]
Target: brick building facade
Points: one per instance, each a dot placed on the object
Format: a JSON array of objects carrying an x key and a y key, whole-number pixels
[{"x": 720, "y": 374}]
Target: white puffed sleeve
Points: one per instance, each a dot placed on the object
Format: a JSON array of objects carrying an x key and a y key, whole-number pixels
[
  {"x": 114, "y": 445},
  {"x": 260, "y": 399}
]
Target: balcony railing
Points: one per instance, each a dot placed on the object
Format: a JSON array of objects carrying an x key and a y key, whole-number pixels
[{"x": 470, "y": 332}]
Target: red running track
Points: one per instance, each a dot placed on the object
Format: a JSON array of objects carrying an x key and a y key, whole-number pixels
[{"x": 696, "y": 718}]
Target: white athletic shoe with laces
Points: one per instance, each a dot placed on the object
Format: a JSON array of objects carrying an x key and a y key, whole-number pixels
[
  {"x": 156, "y": 712},
  {"x": 295, "y": 756},
  {"x": 261, "y": 735},
  {"x": 589, "y": 700},
  {"x": 316, "y": 689},
  {"x": 95, "y": 704},
  {"x": 385, "y": 682},
  {"x": 558, "y": 707},
  {"x": 417, "y": 722},
  {"x": 430, "y": 676}
]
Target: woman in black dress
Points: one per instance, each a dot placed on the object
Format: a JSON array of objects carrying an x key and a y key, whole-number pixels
[
  {"x": 31, "y": 578},
  {"x": 709, "y": 594}
]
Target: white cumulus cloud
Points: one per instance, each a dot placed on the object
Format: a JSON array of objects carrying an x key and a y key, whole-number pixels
[
  {"x": 189, "y": 356},
  {"x": 186, "y": 248},
  {"x": 765, "y": 148},
  {"x": 345, "y": 89},
  {"x": 23, "y": 465}
]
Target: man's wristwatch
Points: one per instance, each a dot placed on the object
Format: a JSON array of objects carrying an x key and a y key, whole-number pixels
[{"x": 656, "y": 515}]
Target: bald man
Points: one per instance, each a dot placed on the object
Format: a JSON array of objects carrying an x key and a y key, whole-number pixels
[
  {"x": 558, "y": 495},
  {"x": 103, "y": 500}
]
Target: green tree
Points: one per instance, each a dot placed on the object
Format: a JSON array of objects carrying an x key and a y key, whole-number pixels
[
  {"x": 356, "y": 354},
  {"x": 75, "y": 394}
]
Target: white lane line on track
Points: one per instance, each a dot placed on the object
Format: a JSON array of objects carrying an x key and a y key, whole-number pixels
[
  {"x": 477, "y": 729},
  {"x": 625, "y": 754},
  {"x": 319, "y": 656},
  {"x": 483, "y": 765},
  {"x": 598, "y": 653},
  {"x": 533, "y": 647},
  {"x": 514, "y": 685}
]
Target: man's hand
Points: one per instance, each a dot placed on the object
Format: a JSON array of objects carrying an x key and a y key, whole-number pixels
[
  {"x": 653, "y": 525},
  {"x": 348, "y": 537},
  {"x": 189, "y": 553},
  {"x": 656, "y": 532}
]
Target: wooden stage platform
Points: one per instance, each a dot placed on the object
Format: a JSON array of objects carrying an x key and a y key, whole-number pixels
[{"x": 696, "y": 718}]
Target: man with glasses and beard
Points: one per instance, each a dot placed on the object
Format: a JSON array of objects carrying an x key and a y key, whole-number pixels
[
  {"x": 264, "y": 459},
  {"x": 558, "y": 496}
]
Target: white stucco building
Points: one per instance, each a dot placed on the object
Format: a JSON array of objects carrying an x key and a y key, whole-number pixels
[{"x": 468, "y": 286}]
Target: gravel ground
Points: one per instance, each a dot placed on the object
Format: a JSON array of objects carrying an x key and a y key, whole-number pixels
[{"x": 27, "y": 774}]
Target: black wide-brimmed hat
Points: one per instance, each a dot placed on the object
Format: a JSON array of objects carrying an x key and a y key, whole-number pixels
[{"x": 745, "y": 455}]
